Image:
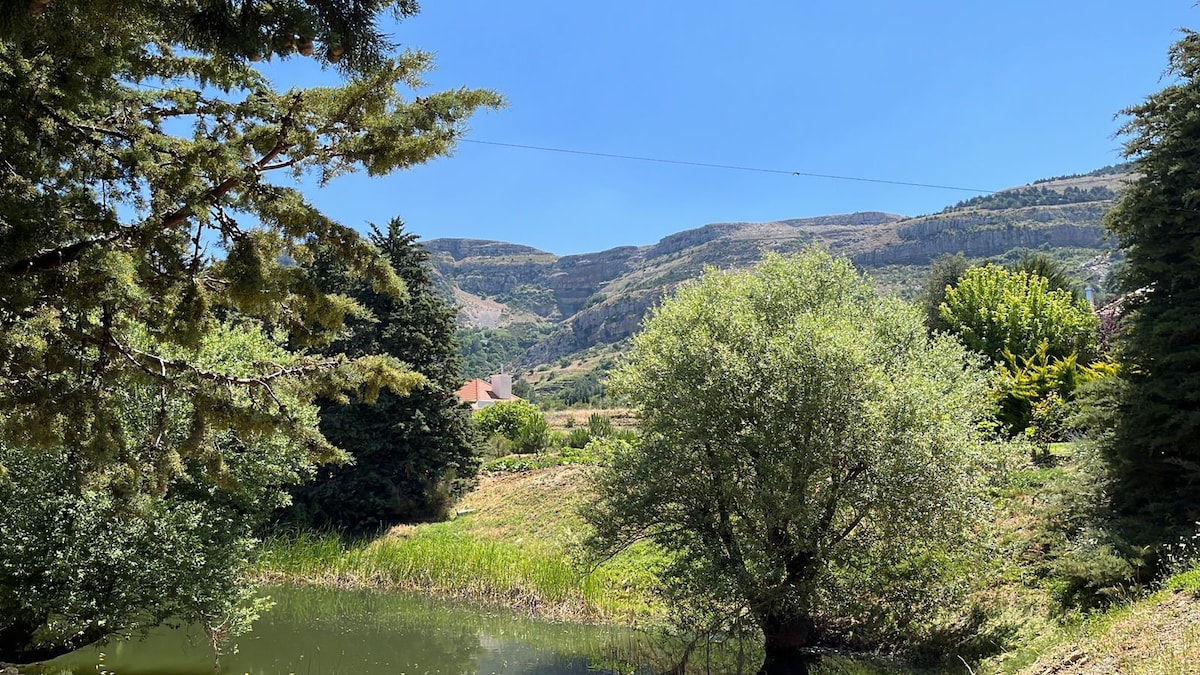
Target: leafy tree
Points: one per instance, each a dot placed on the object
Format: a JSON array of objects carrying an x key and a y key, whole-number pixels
[
  {"x": 411, "y": 454},
  {"x": 944, "y": 272},
  {"x": 148, "y": 194},
  {"x": 809, "y": 454},
  {"x": 83, "y": 559},
  {"x": 994, "y": 311},
  {"x": 1155, "y": 456}
]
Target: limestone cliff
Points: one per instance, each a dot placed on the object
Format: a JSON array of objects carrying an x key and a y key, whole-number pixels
[{"x": 600, "y": 298}]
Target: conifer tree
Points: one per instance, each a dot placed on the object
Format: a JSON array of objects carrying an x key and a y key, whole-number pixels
[
  {"x": 411, "y": 454},
  {"x": 1155, "y": 456},
  {"x": 148, "y": 209}
]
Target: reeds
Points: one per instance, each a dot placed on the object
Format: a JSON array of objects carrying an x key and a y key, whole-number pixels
[{"x": 534, "y": 577}]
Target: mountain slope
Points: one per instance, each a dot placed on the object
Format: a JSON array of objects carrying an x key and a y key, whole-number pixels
[{"x": 598, "y": 299}]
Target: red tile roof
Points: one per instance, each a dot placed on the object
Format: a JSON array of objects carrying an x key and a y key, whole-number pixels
[
  {"x": 475, "y": 390},
  {"x": 480, "y": 390}
]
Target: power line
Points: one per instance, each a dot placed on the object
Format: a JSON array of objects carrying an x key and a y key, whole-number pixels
[{"x": 732, "y": 167}]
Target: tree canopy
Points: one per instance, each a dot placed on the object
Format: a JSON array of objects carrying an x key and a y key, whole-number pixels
[
  {"x": 85, "y": 557},
  {"x": 995, "y": 312},
  {"x": 149, "y": 202},
  {"x": 808, "y": 453},
  {"x": 1155, "y": 456}
]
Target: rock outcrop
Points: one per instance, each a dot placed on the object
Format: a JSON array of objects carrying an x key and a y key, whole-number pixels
[{"x": 601, "y": 298}]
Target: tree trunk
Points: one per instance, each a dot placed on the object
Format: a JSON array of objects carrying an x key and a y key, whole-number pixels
[{"x": 787, "y": 640}]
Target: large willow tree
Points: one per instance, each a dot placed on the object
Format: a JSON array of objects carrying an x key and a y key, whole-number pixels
[
  {"x": 148, "y": 203},
  {"x": 809, "y": 455}
]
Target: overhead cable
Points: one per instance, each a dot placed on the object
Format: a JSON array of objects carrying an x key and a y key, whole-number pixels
[{"x": 732, "y": 167}]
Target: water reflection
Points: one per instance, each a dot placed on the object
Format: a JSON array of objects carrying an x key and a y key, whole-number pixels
[{"x": 321, "y": 631}]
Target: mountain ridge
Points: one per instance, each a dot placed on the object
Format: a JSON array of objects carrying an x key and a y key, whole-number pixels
[{"x": 596, "y": 300}]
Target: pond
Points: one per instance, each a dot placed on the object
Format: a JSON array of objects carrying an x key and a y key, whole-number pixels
[
  {"x": 328, "y": 631},
  {"x": 320, "y": 631}
]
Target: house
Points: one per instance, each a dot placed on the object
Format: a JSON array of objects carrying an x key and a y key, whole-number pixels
[{"x": 482, "y": 393}]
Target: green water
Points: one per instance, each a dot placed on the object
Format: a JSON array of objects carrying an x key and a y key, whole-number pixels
[
  {"x": 320, "y": 631},
  {"x": 317, "y": 631}
]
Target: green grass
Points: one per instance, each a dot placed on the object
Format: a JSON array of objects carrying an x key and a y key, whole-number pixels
[{"x": 514, "y": 545}]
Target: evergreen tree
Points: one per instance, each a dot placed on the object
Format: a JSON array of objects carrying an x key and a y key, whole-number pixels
[
  {"x": 944, "y": 272},
  {"x": 147, "y": 205},
  {"x": 1055, "y": 273},
  {"x": 412, "y": 453},
  {"x": 1155, "y": 456}
]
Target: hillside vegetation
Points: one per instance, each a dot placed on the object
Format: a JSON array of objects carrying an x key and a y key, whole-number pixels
[{"x": 528, "y": 309}]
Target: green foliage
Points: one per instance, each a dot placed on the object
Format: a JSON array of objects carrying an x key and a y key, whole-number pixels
[
  {"x": 589, "y": 388},
  {"x": 1035, "y": 390},
  {"x": 147, "y": 202},
  {"x": 599, "y": 426},
  {"x": 578, "y": 437},
  {"x": 126, "y": 548},
  {"x": 485, "y": 351},
  {"x": 533, "y": 435},
  {"x": 1188, "y": 582},
  {"x": 141, "y": 162},
  {"x": 412, "y": 455},
  {"x": 595, "y": 452},
  {"x": 944, "y": 272},
  {"x": 1154, "y": 454},
  {"x": 1053, "y": 271},
  {"x": 995, "y": 311},
  {"x": 809, "y": 452},
  {"x": 1035, "y": 196},
  {"x": 517, "y": 421}
]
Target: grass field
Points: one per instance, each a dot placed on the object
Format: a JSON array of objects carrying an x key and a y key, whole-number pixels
[{"x": 513, "y": 543}]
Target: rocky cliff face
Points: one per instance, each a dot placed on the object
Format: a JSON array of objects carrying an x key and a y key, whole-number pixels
[
  {"x": 979, "y": 234},
  {"x": 601, "y": 298}
]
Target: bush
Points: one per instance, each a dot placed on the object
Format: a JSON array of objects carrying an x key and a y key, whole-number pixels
[
  {"x": 506, "y": 419},
  {"x": 578, "y": 437},
  {"x": 599, "y": 426},
  {"x": 534, "y": 436},
  {"x": 994, "y": 311},
  {"x": 1036, "y": 393}
]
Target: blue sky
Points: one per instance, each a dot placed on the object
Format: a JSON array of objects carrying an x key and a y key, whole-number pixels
[{"x": 978, "y": 95}]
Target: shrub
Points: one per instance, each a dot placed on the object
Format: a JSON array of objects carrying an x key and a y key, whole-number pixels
[
  {"x": 507, "y": 419},
  {"x": 996, "y": 312},
  {"x": 578, "y": 437},
  {"x": 1036, "y": 393},
  {"x": 599, "y": 426},
  {"x": 533, "y": 436}
]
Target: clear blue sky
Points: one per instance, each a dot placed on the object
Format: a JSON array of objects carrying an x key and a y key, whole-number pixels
[{"x": 981, "y": 95}]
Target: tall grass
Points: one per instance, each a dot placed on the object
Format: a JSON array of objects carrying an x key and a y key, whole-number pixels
[{"x": 528, "y": 576}]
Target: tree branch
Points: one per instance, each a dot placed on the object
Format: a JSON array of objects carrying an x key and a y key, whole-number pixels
[{"x": 55, "y": 258}]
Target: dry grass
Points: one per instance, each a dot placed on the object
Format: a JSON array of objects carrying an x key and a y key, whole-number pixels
[
  {"x": 1156, "y": 636},
  {"x": 621, "y": 418}
]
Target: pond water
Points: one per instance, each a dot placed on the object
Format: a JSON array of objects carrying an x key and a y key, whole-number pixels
[
  {"x": 323, "y": 631},
  {"x": 319, "y": 631}
]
